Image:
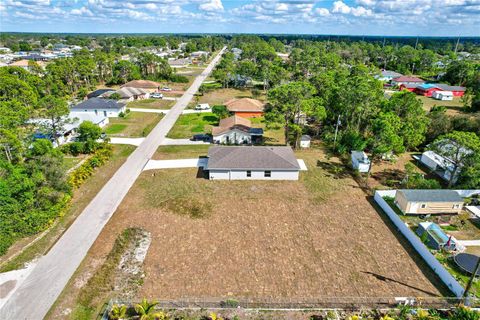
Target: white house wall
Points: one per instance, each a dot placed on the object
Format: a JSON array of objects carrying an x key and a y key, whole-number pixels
[
  {"x": 235, "y": 136},
  {"x": 255, "y": 175},
  {"x": 113, "y": 113}
]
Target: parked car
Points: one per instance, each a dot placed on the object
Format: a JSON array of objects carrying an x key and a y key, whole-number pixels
[
  {"x": 166, "y": 89},
  {"x": 202, "y": 106},
  {"x": 156, "y": 95},
  {"x": 201, "y": 137}
]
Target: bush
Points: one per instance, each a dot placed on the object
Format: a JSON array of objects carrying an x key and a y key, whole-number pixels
[
  {"x": 82, "y": 173},
  {"x": 220, "y": 111},
  {"x": 178, "y": 78}
]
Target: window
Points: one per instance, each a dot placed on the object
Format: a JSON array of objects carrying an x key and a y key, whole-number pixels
[
  {"x": 456, "y": 206},
  {"x": 267, "y": 174},
  {"x": 104, "y": 113},
  {"x": 423, "y": 206},
  {"x": 249, "y": 174},
  {"x": 96, "y": 112}
]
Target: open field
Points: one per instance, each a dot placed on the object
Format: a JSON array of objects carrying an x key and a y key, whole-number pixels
[
  {"x": 81, "y": 198},
  {"x": 190, "y": 124},
  {"x": 260, "y": 239},
  {"x": 220, "y": 96},
  {"x": 454, "y": 107},
  {"x": 151, "y": 104},
  {"x": 134, "y": 124}
]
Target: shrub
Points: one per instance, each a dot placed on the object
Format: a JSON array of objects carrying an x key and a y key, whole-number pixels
[
  {"x": 178, "y": 78},
  {"x": 82, "y": 173}
]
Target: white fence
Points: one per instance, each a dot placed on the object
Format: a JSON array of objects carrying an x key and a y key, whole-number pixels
[{"x": 434, "y": 264}]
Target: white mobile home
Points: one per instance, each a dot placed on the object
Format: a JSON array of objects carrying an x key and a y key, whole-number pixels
[
  {"x": 443, "y": 95},
  {"x": 423, "y": 202},
  {"x": 305, "y": 141},
  {"x": 360, "y": 161},
  {"x": 252, "y": 163}
]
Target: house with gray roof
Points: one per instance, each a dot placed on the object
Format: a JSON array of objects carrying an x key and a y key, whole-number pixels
[
  {"x": 425, "y": 202},
  {"x": 387, "y": 75},
  {"x": 252, "y": 163},
  {"x": 100, "y": 106}
]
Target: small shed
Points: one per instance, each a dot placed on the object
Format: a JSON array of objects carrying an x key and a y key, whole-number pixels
[
  {"x": 360, "y": 161},
  {"x": 443, "y": 95},
  {"x": 305, "y": 141}
]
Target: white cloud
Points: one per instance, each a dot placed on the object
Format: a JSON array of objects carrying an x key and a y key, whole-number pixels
[
  {"x": 322, "y": 12},
  {"x": 83, "y": 11},
  {"x": 211, "y": 6}
]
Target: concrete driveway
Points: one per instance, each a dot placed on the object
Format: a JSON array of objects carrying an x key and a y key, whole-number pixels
[
  {"x": 177, "y": 163},
  {"x": 38, "y": 292},
  {"x": 181, "y": 142},
  {"x": 131, "y": 141}
]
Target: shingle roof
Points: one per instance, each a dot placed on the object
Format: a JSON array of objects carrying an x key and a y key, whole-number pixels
[
  {"x": 408, "y": 79},
  {"x": 98, "y": 93},
  {"x": 389, "y": 73},
  {"x": 98, "y": 103},
  {"x": 146, "y": 84},
  {"x": 255, "y": 158},
  {"x": 446, "y": 87},
  {"x": 127, "y": 92},
  {"x": 228, "y": 123},
  {"x": 244, "y": 105},
  {"x": 431, "y": 195}
]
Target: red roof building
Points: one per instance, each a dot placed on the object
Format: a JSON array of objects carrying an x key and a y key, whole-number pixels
[{"x": 406, "y": 80}]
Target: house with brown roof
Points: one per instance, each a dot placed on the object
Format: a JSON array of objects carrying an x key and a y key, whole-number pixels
[
  {"x": 151, "y": 86},
  {"x": 406, "y": 80},
  {"x": 245, "y": 107},
  {"x": 252, "y": 163},
  {"x": 236, "y": 130}
]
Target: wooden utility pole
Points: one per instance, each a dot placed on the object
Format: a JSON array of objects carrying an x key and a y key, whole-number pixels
[{"x": 470, "y": 282}]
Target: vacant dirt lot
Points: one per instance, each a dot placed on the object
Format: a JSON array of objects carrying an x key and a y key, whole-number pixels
[{"x": 317, "y": 237}]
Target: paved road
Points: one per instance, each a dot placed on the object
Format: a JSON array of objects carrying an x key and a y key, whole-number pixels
[{"x": 41, "y": 288}]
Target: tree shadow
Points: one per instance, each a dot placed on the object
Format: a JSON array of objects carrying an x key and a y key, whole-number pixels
[
  {"x": 389, "y": 177},
  {"x": 387, "y": 279},
  {"x": 335, "y": 170}
]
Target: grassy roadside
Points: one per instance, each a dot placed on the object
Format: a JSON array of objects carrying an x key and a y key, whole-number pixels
[
  {"x": 190, "y": 124},
  {"x": 134, "y": 124},
  {"x": 152, "y": 104},
  {"x": 81, "y": 198}
]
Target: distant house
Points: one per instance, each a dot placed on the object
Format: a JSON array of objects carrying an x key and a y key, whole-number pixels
[
  {"x": 428, "y": 89},
  {"x": 387, "y": 75},
  {"x": 360, "y": 161},
  {"x": 98, "y": 93},
  {"x": 128, "y": 94},
  {"x": 245, "y": 107},
  {"x": 305, "y": 141},
  {"x": 436, "y": 238},
  {"x": 24, "y": 64},
  {"x": 179, "y": 63},
  {"x": 199, "y": 54},
  {"x": 408, "y": 87},
  {"x": 252, "y": 163},
  {"x": 236, "y": 130},
  {"x": 151, "y": 86},
  {"x": 406, "y": 80},
  {"x": 424, "y": 202},
  {"x": 100, "y": 106}
]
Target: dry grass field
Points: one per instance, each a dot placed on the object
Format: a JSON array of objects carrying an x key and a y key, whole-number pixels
[
  {"x": 317, "y": 237},
  {"x": 220, "y": 96},
  {"x": 454, "y": 107}
]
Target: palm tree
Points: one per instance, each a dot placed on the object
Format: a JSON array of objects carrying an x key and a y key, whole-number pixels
[
  {"x": 146, "y": 311},
  {"x": 118, "y": 312}
]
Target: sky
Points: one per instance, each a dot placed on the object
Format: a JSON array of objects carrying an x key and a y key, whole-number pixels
[{"x": 343, "y": 17}]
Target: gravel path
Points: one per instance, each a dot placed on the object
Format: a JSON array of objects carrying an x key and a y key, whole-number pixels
[{"x": 41, "y": 288}]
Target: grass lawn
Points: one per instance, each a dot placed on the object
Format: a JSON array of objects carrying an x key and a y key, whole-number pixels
[
  {"x": 179, "y": 152},
  {"x": 151, "y": 104},
  {"x": 273, "y": 135},
  {"x": 298, "y": 240},
  {"x": 220, "y": 96},
  {"x": 453, "y": 107},
  {"x": 134, "y": 124},
  {"x": 70, "y": 161},
  {"x": 115, "y": 128},
  {"x": 190, "y": 124},
  {"x": 81, "y": 198}
]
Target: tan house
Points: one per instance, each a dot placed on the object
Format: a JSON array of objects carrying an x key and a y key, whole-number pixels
[
  {"x": 148, "y": 85},
  {"x": 245, "y": 107},
  {"x": 424, "y": 202}
]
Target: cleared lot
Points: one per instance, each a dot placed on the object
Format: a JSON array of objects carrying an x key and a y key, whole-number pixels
[{"x": 317, "y": 237}]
